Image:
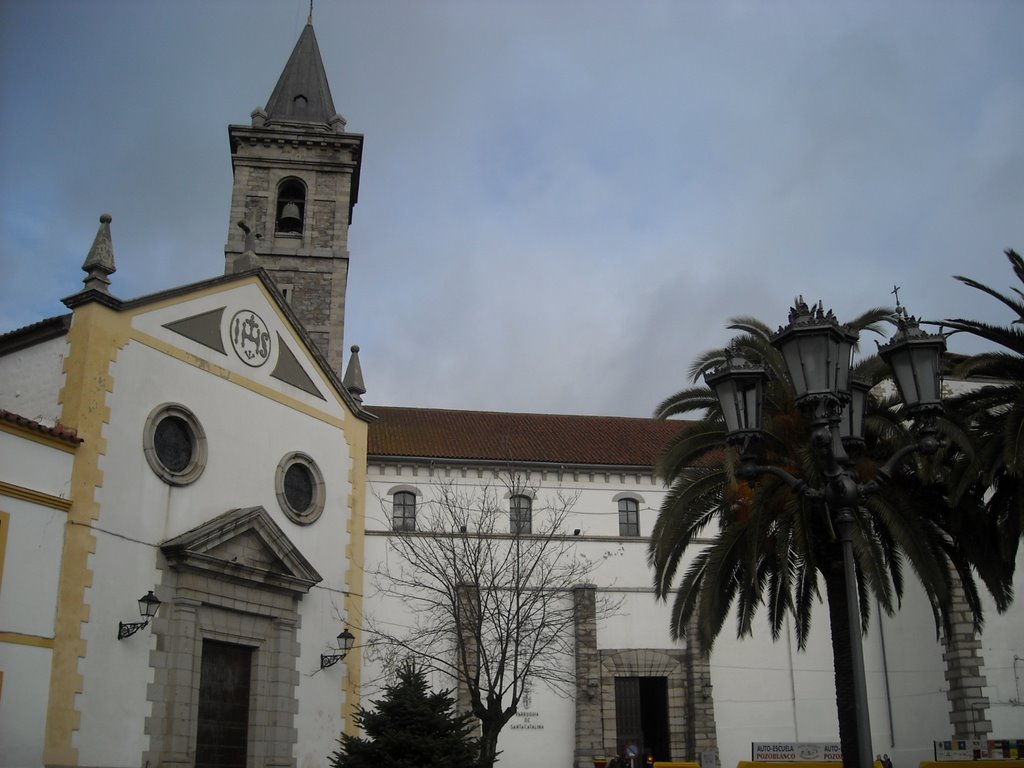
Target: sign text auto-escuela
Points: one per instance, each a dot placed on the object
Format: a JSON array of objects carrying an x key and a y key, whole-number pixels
[{"x": 785, "y": 751}]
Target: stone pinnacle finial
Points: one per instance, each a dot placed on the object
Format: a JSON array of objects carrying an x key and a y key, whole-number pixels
[
  {"x": 99, "y": 264},
  {"x": 353, "y": 380}
]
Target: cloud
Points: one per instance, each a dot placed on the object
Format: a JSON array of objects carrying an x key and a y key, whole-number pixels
[{"x": 561, "y": 204}]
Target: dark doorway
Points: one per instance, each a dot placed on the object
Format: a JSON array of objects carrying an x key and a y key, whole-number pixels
[
  {"x": 641, "y": 716},
  {"x": 223, "y": 731}
]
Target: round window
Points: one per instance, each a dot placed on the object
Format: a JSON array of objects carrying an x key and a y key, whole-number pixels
[
  {"x": 300, "y": 488},
  {"x": 174, "y": 444}
]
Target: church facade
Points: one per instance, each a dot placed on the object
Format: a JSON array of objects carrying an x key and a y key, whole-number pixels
[
  {"x": 161, "y": 482},
  {"x": 205, "y": 453}
]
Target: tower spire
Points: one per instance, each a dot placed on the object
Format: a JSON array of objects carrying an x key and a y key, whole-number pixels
[{"x": 302, "y": 93}]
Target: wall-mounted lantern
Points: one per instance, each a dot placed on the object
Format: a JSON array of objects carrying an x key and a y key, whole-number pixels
[
  {"x": 149, "y": 604},
  {"x": 345, "y": 642}
]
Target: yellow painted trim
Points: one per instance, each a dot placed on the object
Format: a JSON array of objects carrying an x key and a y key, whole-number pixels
[
  {"x": 36, "y": 436},
  {"x": 5, "y": 526},
  {"x": 27, "y": 494},
  {"x": 96, "y": 335},
  {"x": 235, "y": 378},
  {"x": 17, "y": 638},
  {"x": 356, "y": 434}
]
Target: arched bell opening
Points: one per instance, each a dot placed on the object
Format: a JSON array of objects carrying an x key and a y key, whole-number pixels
[{"x": 291, "y": 207}]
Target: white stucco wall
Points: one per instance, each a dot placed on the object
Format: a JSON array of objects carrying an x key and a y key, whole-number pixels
[
  {"x": 1003, "y": 648},
  {"x": 28, "y": 597},
  {"x": 28, "y": 600},
  {"x": 763, "y": 690},
  {"x": 26, "y": 678},
  {"x": 38, "y": 466},
  {"x": 31, "y": 378},
  {"x": 628, "y": 615},
  {"x": 916, "y": 698},
  {"x": 767, "y": 691}
]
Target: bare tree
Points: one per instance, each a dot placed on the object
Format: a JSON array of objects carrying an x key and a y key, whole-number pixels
[{"x": 488, "y": 594}]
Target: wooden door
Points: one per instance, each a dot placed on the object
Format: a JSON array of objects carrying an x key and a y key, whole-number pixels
[{"x": 223, "y": 731}]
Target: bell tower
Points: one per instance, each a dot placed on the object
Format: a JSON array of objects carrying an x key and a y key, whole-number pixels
[{"x": 296, "y": 180}]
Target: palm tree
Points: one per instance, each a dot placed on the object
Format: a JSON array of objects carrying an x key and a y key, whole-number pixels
[
  {"x": 994, "y": 417},
  {"x": 773, "y": 546}
]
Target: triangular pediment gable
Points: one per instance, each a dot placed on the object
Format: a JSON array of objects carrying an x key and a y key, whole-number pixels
[
  {"x": 241, "y": 326},
  {"x": 244, "y": 545}
]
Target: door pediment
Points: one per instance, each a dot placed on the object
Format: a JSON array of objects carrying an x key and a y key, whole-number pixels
[{"x": 245, "y": 545}]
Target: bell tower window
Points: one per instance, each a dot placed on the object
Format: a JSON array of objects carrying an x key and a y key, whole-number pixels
[{"x": 291, "y": 207}]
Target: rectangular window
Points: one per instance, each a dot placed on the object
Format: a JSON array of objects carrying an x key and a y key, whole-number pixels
[
  {"x": 521, "y": 512},
  {"x": 629, "y": 517},
  {"x": 403, "y": 511}
]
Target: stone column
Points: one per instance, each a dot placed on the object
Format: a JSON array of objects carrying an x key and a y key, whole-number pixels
[
  {"x": 964, "y": 664},
  {"x": 589, "y": 734},
  {"x": 175, "y": 688},
  {"x": 701, "y": 710},
  {"x": 282, "y": 679}
]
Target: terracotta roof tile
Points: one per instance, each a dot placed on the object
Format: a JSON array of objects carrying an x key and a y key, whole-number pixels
[
  {"x": 523, "y": 437},
  {"x": 43, "y": 330},
  {"x": 56, "y": 430}
]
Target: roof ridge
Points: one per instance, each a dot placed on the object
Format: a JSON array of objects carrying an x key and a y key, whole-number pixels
[{"x": 508, "y": 413}]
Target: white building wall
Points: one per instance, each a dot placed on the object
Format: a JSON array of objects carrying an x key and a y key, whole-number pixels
[
  {"x": 28, "y": 593},
  {"x": 35, "y": 465},
  {"x": 912, "y": 661},
  {"x": 1002, "y": 644},
  {"x": 763, "y": 690},
  {"x": 31, "y": 378},
  {"x": 26, "y": 678},
  {"x": 628, "y": 615},
  {"x": 28, "y": 599}
]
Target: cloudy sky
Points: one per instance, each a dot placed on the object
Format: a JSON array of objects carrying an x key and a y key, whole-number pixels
[{"x": 562, "y": 202}]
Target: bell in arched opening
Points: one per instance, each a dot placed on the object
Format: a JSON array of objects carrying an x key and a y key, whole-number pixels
[
  {"x": 291, "y": 220},
  {"x": 291, "y": 200}
]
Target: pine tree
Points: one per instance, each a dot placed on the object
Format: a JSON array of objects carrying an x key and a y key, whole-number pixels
[{"x": 410, "y": 727}]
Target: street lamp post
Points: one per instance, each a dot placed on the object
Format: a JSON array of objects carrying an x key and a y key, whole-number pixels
[{"x": 817, "y": 352}]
